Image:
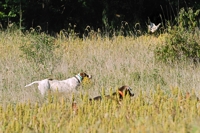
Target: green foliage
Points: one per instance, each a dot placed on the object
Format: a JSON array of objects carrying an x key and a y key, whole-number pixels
[
  {"x": 10, "y": 8},
  {"x": 41, "y": 51},
  {"x": 187, "y": 19},
  {"x": 181, "y": 43}
]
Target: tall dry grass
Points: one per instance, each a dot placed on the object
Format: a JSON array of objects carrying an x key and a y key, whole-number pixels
[{"x": 113, "y": 62}]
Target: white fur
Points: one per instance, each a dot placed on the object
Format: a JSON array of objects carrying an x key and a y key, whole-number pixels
[
  {"x": 67, "y": 85},
  {"x": 152, "y": 27}
]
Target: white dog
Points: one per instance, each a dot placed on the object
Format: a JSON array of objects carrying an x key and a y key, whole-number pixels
[{"x": 69, "y": 84}]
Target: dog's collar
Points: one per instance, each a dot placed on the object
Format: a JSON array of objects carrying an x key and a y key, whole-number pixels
[
  {"x": 78, "y": 77},
  {"x": 121, "y": 93}
]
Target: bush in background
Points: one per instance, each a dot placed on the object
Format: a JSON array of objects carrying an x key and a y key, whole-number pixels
[{"x": 181, "y": 41}]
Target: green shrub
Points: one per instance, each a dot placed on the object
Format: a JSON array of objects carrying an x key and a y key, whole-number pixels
[{"x": 180, "y": 42}]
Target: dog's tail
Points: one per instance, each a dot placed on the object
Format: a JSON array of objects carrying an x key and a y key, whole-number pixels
[{"x": 32, "y": 83}]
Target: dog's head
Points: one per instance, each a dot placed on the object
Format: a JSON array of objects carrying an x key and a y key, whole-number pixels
[
  {"x": 83, "y": 75},
  {"x": 80, "y": 77},
  {"x": 125, "y": 91}
]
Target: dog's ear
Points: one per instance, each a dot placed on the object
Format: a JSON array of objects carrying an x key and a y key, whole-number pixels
[
  {"x": 83, "y": 74},
  {"x": 123, "y": 88}
]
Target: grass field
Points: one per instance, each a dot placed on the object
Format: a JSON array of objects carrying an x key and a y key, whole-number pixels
[{"x": 165, "y": 95}]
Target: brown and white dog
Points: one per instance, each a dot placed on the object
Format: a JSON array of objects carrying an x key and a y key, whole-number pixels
[
  {"x": 122, "y": 92},
  {"x": 67, "y": 85},
  {"x": 116, "y": 96}
]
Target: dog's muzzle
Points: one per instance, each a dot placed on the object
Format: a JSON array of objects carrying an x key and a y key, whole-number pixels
[
  {"x": 130, "y": 92},
  {"x": 89, "y": 76}
]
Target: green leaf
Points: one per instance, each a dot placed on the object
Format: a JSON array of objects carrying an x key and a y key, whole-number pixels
[{"x": 11, "y": 14}]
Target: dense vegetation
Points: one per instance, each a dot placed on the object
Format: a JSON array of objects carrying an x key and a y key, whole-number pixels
[{"x": 112, "y": 15}]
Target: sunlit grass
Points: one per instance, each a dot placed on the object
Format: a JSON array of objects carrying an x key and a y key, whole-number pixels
[
  {"x": 154, "y": 112},
  {"x": 171, "y": 106}
]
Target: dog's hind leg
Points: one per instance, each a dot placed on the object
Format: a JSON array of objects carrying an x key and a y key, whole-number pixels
[{"x": 44, "y": 86}]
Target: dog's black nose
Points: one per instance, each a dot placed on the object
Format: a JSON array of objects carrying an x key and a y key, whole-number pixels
[{"x": 132, "y": 94}]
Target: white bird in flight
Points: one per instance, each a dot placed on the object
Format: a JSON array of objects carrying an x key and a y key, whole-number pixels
[{"x": 152, "y": 27}]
